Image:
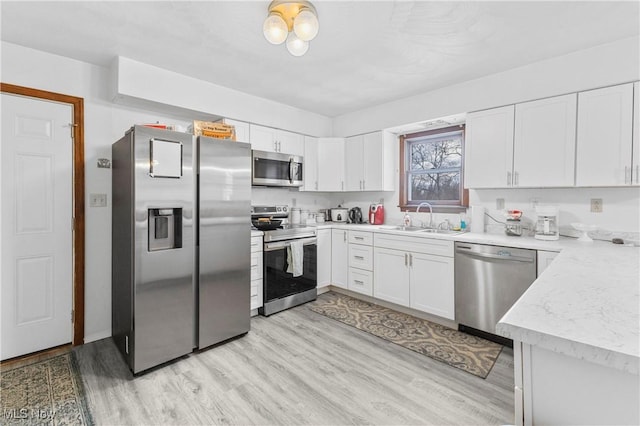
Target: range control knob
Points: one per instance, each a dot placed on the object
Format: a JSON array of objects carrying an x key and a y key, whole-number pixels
[{"x": 284, "y": 209}]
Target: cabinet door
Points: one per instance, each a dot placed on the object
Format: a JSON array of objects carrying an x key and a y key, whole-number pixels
[
  {"x": 242, "y": 129},
  {"x": 431, "y": 284},
  {"x": 331, "y": 164},
  {"x": 324, "y": 257},
  {"x": 373, "y": 167},
  {"x": 361, "y": 281},
  {"x": 310, "y": 166},
  {"x": 544, "y": 260},
  {"x": 353, "y": 168},
  {"x": 545, "y": 142},
  {"x": 635, "y": 163},
  {"x": 605, "y": 122},
  {"x": 489, "y": 148},
  {"x": 339, "y": 257},
  {"x": 289, "y": 142},
  {"x": 262, "y": 138},
  {"x": 391, "y": 276}
]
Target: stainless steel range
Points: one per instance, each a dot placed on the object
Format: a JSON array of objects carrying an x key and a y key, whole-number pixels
[{"x": 290, "y": 262}]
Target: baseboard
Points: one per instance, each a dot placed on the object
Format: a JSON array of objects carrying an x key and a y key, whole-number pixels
[{"x": 97, "y": 336}]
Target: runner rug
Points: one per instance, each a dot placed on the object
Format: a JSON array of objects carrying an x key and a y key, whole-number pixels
[
  {"x": 460, "y": 350},
  {"x": 47, "y": 392}
]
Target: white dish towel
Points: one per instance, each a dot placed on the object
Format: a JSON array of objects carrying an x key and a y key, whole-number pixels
[{"x": 295, "y": 254}]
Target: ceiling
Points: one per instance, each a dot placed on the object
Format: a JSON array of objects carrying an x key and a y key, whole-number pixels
[{"x": 366, "y": 53}]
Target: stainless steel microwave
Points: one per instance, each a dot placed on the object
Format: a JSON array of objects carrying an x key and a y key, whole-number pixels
[{"x": 275, "y": 169}]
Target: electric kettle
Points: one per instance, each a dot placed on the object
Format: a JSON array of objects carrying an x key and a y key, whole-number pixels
[{"x": 355, "y": 215}]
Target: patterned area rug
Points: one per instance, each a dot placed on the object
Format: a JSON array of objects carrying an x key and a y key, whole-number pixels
[
  {"x": 48, "y": 392},
  {"x": 460, "y": 350}
]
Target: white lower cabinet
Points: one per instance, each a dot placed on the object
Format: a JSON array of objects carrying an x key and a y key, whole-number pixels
[
  {"x": 544, "y": 260},
  {"x": 415, "y": 272},
  {"x": 431, "y": 286},
  {"x": 391, "y": 276},
  {"x": 323, "y": 270},
  {"x": 360, "y": 262},
  {"x": 256, "y": 272},
  {"x": 339, "y": 257}
]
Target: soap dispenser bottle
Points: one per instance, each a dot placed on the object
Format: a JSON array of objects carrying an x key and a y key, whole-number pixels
[{"x": 407, "y": 220}]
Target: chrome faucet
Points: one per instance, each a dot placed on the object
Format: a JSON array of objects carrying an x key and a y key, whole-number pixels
[{"x": 430, "y": 212}]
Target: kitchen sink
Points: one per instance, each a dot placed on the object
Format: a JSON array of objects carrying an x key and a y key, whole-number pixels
[{"x": 420, "y": 229}]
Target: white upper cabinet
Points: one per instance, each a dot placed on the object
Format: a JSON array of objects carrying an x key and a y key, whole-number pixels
[
  {"x": 635, "y": 174},
  {"x": 544, "y": 142},
  {"x": 489, "y": 148},
  {"x": 275, "y": 140},
  {"x": 605, "y": 121},
  {"x": 331, "y": 164},
  {"x": 354, "y": 170},
  {"x": 310, "y": 166},
  {"x": 241, "y": 128},
  {"x": 370, "y": 162}
]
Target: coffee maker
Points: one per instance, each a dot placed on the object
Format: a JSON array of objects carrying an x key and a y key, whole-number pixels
[{"x": 547, "y": 223}]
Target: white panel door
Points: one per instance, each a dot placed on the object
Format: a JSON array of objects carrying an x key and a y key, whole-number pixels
[
  {"x": 331, "y": 164},
  {"x": 545, "y": 142},
  {"x": 432, "y": 286},
  {"x": 353, "y": 169},
  {"x": 391, "y": 276},
  {"x": 37, "y": 281},
  {"x": 605, "y": 122},
  {"x": 489, "y": 148}
]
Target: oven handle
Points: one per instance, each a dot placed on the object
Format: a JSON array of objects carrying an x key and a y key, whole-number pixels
[{"x": 282, "y": 244}]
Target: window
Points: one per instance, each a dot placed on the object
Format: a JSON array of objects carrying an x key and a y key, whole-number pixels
[{"x": 431, "y": 170}]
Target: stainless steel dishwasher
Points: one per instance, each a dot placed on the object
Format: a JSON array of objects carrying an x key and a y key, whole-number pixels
[{"x": 488, "y": 281}]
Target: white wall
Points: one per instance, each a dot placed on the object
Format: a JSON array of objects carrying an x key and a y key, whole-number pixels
[
  {"x": 603, "y": 65},
  {"x": 106, "y": 122}
]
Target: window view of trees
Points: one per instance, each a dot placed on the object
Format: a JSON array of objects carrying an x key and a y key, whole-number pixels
[{"x": 434, "y": 167}]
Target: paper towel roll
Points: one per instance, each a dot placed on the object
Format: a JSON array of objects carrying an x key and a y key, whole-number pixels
[{"x": 477, "y": 219}]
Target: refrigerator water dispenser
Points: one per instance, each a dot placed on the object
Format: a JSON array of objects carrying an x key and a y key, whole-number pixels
[{"x": 165, "y": 229}]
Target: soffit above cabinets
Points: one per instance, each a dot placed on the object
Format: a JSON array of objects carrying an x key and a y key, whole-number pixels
[{"x": 366, "y": 53}]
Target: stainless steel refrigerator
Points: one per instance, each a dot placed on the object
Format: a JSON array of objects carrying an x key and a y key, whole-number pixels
[{"x": 173, "y": 208}]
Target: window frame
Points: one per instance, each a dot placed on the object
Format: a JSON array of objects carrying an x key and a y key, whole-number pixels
[{"x": 447, "y": 206}]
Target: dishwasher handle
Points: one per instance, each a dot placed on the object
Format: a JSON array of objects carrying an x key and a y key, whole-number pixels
[{"x": 467, "y": 251}]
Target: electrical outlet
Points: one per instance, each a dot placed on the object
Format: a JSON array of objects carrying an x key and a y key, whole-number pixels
[
  {"x": 97, "y": 200},
  {"x": 293, "y": 202},
  {"x": 596, "y": 205},
  {"x": 499, "y": 203},
  {"x": 534, "y": 202}
]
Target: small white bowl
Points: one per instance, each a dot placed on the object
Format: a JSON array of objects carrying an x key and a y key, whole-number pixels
[{"x": 584, "y": 228}]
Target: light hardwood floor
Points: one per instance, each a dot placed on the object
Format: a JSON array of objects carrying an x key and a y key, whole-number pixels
[{"x": 296, "y": 367}]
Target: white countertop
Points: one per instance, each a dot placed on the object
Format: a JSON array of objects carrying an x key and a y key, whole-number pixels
[
  {"x": 586, "y": 304},
  {"x": 256, "y": 233}
]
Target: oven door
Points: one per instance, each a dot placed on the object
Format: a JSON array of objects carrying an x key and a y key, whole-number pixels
[
  {"x": 278, "y": 283},
  {"x": 275, "y": 169}
]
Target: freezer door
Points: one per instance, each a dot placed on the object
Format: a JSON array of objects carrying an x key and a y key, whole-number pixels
[
  {"x": 224, "y": 206},
  {"x": 163, "y": 311}
]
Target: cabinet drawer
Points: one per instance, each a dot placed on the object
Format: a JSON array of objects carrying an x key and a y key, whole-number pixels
[
  {"x": 415, "y": 244},
  {"x": 361, "y": 257},
  {"x": 361, "y": 237},
  {"x": 256, "y": 293},
  {"x": 360, "y": 281},
  {"x": 256, "y": 244},
  {"x": 256, "y": 265}
]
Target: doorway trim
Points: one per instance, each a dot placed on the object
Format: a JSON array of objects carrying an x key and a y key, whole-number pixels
[{"x": 78, "y": 196}]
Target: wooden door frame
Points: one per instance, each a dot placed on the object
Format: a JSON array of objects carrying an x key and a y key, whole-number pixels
[{"x": 78, "y": 195}]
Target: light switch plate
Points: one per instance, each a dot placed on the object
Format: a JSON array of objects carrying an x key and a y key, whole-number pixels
[
  {"x": 499, "y": 203},
  {"x": 596, "y": 205},
  {"x": 97, "y": 200}
]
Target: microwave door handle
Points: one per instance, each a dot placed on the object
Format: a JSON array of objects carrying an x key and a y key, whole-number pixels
[{"x": 291, "y": 170}]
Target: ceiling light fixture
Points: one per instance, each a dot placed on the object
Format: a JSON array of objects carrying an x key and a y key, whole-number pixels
[{"x": 293, "y": 21}]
